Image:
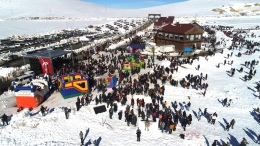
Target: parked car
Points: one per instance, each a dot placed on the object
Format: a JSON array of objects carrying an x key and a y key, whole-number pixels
[
  {"x": 24, "y": 79},
  {"x": 29, "y": 72}
]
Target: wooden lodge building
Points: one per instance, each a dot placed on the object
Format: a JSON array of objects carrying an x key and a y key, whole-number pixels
[{"x": 180, "y": 35}]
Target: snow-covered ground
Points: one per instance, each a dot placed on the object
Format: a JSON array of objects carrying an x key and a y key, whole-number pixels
[{"x": 54, "y": 129}]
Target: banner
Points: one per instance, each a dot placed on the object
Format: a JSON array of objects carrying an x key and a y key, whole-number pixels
[{"x": 46, "y": 65}]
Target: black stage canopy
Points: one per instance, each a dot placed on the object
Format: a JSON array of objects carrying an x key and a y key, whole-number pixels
[{"x": 47, "y": 54}]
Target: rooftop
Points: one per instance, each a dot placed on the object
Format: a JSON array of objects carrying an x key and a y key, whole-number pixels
[{"x": 177, "y": 28}]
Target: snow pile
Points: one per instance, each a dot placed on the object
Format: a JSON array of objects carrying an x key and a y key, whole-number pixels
[{"x": 6, "y": 71}]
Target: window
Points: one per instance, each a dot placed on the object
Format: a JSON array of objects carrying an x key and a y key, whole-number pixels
[
  {"x": 197, "y": 37},
  {"x": 166, "y": 35},
  {"x": 176, "y": 36},
  {"x": 171, "y": 35},
  {"x": 191, "y": 37},
  {"x": 181, "y": 37},
  {"x": 187, "y": 37},
  {"x": 160, "y": 34}
]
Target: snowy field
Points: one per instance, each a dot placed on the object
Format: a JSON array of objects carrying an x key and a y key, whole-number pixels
[
  {"x": 54, "y": 129},
  {"x": 28, "y": 129}
]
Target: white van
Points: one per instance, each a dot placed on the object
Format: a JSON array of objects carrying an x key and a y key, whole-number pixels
[{"x": 21, "y": 80}]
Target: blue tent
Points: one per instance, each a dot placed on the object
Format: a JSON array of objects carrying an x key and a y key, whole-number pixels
[{"x": 187, "y": 49}]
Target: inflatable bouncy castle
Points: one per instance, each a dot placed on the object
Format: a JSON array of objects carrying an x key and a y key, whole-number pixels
[
  {"x": 131, "y": 63},
  {"x": 73, "y": 84},
  {"x": 32, "y": 95},
  {"x": 111, "y": 81}
]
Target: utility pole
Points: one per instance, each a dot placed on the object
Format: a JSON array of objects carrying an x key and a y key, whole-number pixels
[{"x": 72, "y": 57}]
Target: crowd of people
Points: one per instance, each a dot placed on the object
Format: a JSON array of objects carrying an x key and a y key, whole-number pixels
[{"x": 168, "y": 114}]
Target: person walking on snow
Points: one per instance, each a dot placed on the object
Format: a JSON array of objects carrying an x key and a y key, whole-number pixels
[
  {"x": 229, "y": 102},
  {"x": 147, "y": 124},
  {"x": 244, "y": 142},
  {"x": 81, "y": 137},
  {"x": 224, "y": 102},
  {"x": 4, "y": 119},
  {"x": 227, "y": 127},
  {"x": 111, "y": 112},
  {"x": 214, "y": 118},
  {"x": 232, "y": 123},
  {"x": 138, "y": 134},
  {"x": 120, "y": 113},
  {"x": 199, "y": 114},
  {"x": 205, "y": 111}
]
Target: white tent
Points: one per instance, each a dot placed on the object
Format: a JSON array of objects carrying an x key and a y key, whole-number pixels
[{"x": 167, "y": 49}]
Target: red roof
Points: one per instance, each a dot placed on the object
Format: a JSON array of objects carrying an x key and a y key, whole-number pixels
[
  {"x": 177, "y": 28},
  {"x": 159, "y": 23}
]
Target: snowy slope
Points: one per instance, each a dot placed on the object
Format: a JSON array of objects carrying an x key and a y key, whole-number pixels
[{"x": 77, "y": 8}]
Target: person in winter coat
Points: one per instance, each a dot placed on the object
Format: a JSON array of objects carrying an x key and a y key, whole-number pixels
[
  {"x": 78, "y": 105},
  {"x": 184, "y": 114},
  {"x": 81, "y": 137},
  {"x": 4, "y": 119},
  {"x": 111, "y": 112},
  {"x": 199, "y": 115},
  {"x": 232, "y": 123},
  {"x": 126, "y": 115},
  {"x": 120, "y": 113},
  {"x": 214, "y": 117},
  {"x": 227, "y": 127},
  {"x": 138, "y": 134},
  {"x": 143, "y": 115},
  {"x": 184, "y": 123},
  {"x": 129, "y": 119},
  {"x": 214, "y": 143},
  {"x": 139, "y": 111},
  {"x": 162, "y": 125},
  {"x": 172, "y": 126},
  {"x": 134, "y": 120},
  {"x": 205, "y": 111},
  {"x": 132, "y": 102},
  {"x": 244, "y": 142},
  {"x": 228, "y": 144},
  {"x": 189, "y": 119},
  {"x": 147, "y": 124},
  {"x": 42, "y": 109},
  {"x": 224, "y": 102},
  {"x": 154, "y": 117},
  {"x": 210, "y": 118},
  {"x": 188, "y": 106},
  {"x": 229, "y": 102},
  {"x": 66, "y": 111},
  {"x": 82, "y": 101}
]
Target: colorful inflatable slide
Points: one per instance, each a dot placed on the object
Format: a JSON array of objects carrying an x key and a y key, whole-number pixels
[
  {"x": 111, "y": 81},
  {"x": 72, "y": 85}
]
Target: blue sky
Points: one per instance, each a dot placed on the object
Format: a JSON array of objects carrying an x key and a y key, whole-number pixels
[{"x": 132, "y": 4}]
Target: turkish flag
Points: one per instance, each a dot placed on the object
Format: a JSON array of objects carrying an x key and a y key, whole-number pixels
[{"x": 46, "y": 65}]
